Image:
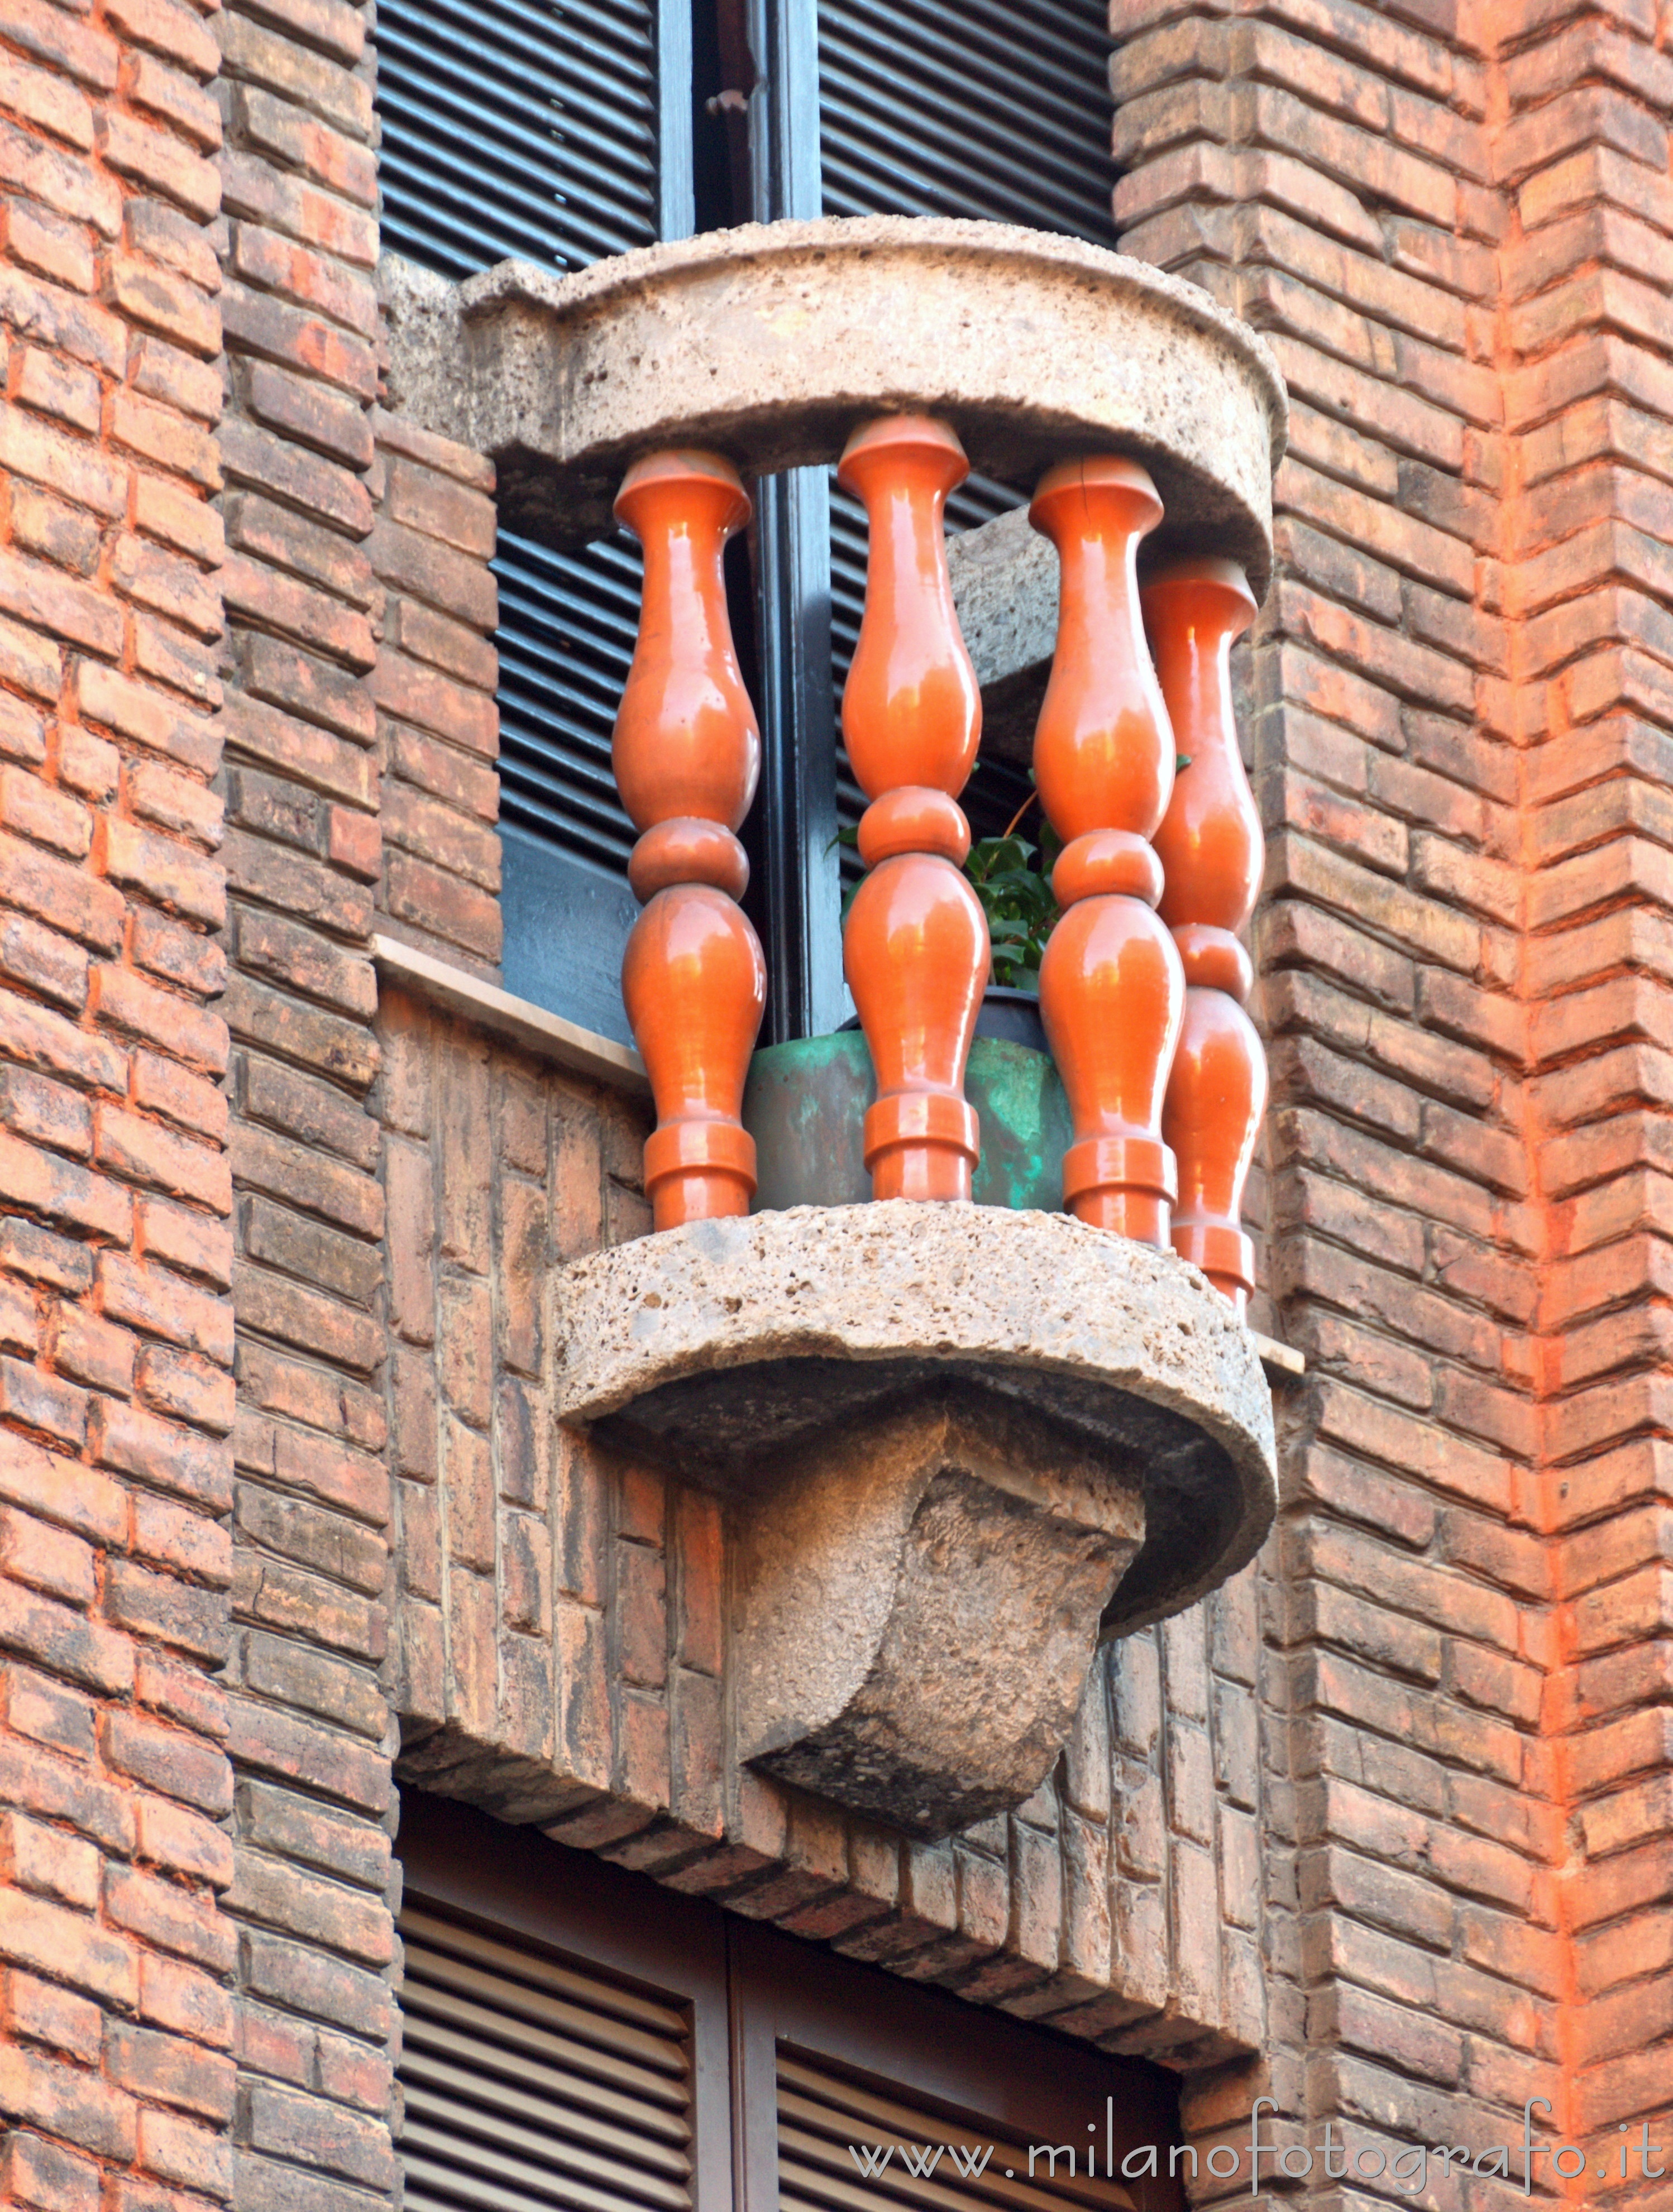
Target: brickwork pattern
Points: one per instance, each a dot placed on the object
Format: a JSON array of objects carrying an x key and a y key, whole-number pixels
[
  {"x": 438, "y": 726},
  {"x": 1586, "y": 344},
  {"x": 310, "y": 1725},
  {"x": 1451, "y": 1845},
  {"x": 561, "y": 1626},
  {"x": 1457, "y": 698},
  {"x": 116, "y": 1332}
]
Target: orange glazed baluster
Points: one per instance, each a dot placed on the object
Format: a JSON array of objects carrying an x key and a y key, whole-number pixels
[
  {"x": 687, "y": 754},
  {"x": 916, "y": 947},
  {"x": 1111, "y": 992},
  {"x": 1210, "y": 847}
]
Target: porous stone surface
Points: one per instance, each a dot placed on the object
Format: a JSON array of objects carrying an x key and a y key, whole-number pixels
[
  {"x": 770, "y": 342},
  {"x": 715, "y": 1346},
  {"x": 1005, "y": 588},
  {"x": 916, "y": 1606}
]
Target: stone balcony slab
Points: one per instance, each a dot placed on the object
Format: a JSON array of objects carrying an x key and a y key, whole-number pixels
[
  {"x": 959, "y": 1442},
  {"x": 768, "y": 344}
]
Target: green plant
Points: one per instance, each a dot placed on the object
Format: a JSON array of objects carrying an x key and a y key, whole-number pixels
[{"x": 1012, "y": 878}]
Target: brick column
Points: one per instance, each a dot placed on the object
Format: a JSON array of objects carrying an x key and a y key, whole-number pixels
[
  {"x": 438, "y": 728},
  {"x": 1584, "y": 334},
  {"x": 116, "y": 1328},
  {"x": 1338, "y": 195},
  {"x": 1458, "y": 695},
  {"x": 311, "y": 1728}
]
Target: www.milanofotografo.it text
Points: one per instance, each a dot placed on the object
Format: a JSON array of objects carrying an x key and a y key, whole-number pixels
[{"x": 1407, "y": 2167}]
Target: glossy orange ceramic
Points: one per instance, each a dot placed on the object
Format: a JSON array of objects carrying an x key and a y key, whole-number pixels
[
  {"x": 1210, "y": 846},
  {"x": 687, "y": 754},
  {"x": 911, "y": 705},
  {"x": 1111, "y": 988},
  {"x": 914, "y": 948},
  {"x": 1111, "y": 994},
  {"x": 686, "y": 741},
  {"x": 1103, "y": 748},
  {"x": 695, "y": 984}
]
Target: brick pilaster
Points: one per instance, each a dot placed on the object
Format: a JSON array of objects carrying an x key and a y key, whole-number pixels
[
  {"x": 310, "y": 1727},
  {"x": 116, "y": 1328},
  {"x": 1585, "y": 335},
  {"x": 1449, "y": 223},
  {"x": 435, "y": 684}
]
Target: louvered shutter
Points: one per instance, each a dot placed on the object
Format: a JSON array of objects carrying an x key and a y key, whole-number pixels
[
  {"x": 528, "y": 129},
  {"x": 516, "y": 131},
  {"x": 999, "y": 110},
  {"x": 533, "y": 2083},
  {"x": 824, "y": 2119}
]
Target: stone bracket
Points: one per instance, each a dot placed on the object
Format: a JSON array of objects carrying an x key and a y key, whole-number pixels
[{"x": 958, "y": 1444}]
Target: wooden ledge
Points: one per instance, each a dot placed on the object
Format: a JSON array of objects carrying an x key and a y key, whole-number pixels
[
  {"x": 547, "y": 1036},
  {"x": 1282, "y": 1361}
]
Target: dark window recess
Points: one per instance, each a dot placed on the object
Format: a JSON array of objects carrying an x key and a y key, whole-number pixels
[
  {"x": 528, "y": 129},
  {"x": 558, "y": 131}
]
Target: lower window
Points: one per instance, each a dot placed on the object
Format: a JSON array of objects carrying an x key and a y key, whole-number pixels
[{"x": 575, "y": 2036}]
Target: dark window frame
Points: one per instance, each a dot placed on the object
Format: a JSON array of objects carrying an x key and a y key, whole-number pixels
[{"x": 503, "y": 1880}]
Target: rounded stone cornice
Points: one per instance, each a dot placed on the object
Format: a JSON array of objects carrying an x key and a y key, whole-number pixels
[
  {"x": 769, "y": 343},
  {"x": 715, "y": 1346}
]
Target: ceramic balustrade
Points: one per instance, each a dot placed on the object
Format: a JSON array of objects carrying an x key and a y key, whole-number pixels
[
  {"x": 914, "y": 949},
  {"x": 687, "y": 757},
  {"x": 1211, "y": 850},
  {"x": 1143, "y": 981}
]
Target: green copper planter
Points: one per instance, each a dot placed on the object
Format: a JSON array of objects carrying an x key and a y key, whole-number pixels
[{"x": 805, "y": 1102}]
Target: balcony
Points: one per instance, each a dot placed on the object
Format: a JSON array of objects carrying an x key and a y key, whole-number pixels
[{"x": 960, "y": 1441}]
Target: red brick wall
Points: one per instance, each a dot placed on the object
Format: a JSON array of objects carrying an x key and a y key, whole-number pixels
[
  {"x": 1451, "y": 1845},
  {"x": 560, "y": 1626},
  {"x": 1584, "y": 337},
  {"x": 310, "y": 1737},
  {"x": 438, "y": 726},
  {"x": 116, "y": 1331},
  {"x": 1452, "y": 225}
]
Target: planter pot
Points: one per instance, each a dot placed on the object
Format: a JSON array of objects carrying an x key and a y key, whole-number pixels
[{"x": 806, "y": 1102}]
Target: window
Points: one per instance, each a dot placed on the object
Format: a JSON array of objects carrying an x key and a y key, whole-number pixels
[
  {"x": 561, "y": 130},
  {"x": 574, "y": 2036}
]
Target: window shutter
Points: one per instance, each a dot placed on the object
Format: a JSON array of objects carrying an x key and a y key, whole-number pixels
[
  {"x": 532, "y": 2083},
  {"x": 999, "y": 111},
  {"x": 821, "y": 2114},
  {"x": 528, "y": 129},
  {"x": 516, "y": 131}
]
